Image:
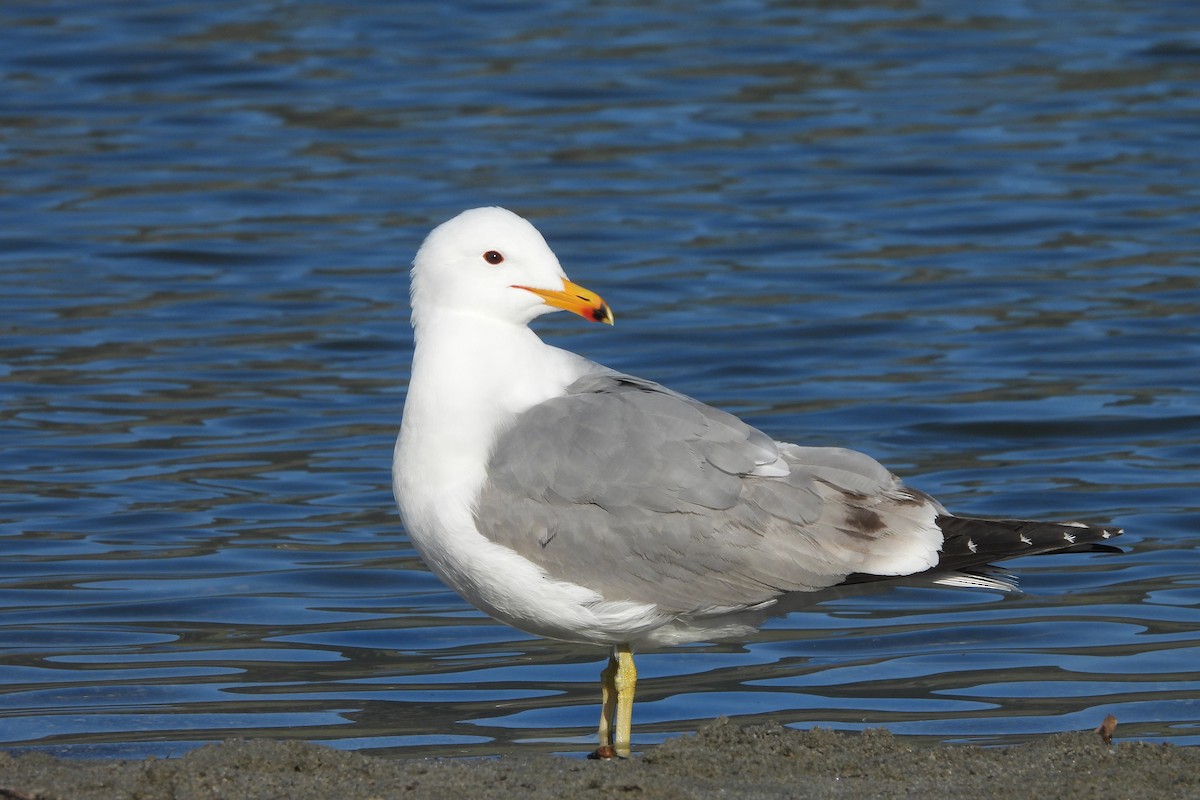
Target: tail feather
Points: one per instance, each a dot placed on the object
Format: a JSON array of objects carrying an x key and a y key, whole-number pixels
[{"x": 973, "y": 542}]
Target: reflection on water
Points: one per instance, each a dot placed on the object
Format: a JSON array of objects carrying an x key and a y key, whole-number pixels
[{"x": 962, "y": 243}]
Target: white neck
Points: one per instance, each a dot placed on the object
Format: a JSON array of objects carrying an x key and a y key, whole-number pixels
[{"x": 471, "y": 376}]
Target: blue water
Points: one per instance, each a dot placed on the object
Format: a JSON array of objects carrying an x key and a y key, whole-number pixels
[{"x": 965, "y": 242}]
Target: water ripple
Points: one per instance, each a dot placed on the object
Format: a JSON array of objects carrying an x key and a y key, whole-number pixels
[{"x": 962, "y": 242}]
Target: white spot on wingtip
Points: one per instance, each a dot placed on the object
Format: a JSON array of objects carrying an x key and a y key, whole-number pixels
[
  {"x": 966, "y": 581},
  {"x": 974, "y": 548},
  {"x": 1025, "y": 539},
  {"x": 1070, "y": 537}
]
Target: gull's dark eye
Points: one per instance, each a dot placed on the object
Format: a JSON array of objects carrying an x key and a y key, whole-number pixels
[{"x": 493, "y": 257}]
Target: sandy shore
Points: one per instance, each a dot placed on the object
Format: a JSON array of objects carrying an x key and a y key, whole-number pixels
[{"x": 723, "y": 759}]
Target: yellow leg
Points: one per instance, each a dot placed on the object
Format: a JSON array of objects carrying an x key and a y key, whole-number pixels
[
  {"x": 608, "y": 702},
  {"x": 617, "y": 681},
  {"x": 624, "y": 682}
]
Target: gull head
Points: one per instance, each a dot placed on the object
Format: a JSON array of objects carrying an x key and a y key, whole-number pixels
[{"x": 490, "y": 262}]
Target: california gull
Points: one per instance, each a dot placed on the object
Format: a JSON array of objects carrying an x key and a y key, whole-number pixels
[{"x": 579, "y": 503}]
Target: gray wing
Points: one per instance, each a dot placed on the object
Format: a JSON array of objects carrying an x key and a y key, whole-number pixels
[{"x": 643, "y": 494}]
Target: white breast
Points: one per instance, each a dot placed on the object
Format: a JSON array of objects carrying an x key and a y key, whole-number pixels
[{"x": 459, "y": 401}]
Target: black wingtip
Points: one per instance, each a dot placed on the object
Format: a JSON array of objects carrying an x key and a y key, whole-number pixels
[{"x": 972, "y": 542}]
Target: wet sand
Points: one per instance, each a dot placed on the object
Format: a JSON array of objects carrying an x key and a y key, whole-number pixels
[{"x": 723, "y": 759}]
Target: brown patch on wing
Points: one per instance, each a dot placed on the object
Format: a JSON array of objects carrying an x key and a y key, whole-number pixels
[{"x": 863, "y": 522}]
